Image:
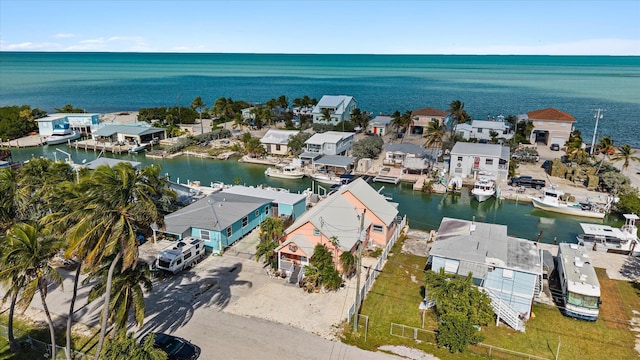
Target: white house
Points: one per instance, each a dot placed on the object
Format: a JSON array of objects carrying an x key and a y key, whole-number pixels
[
  {"x": 327, "y": 143},
  {"x": 276, "y": 141},
  {"x": 76, "y": 121},
  {"x": 481, "y": 129},
  {"x": 340, "y": 107},
  {"x": 379, "y": 125},
  {"x": 469, "y": 160}
]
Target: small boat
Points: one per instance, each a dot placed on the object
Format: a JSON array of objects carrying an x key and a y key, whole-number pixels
[
  {"x": 137, "y": 147},
  {"x": 326, "y": 179},
  {"x": 608, "y": 239},
  {"x": 455, "y": 184},
  {"x": 483, "y": 189},
  {"x": 61, "y": 136},
  {"x": 286, "y": 172},
  {"x": 552, "y": 200}
]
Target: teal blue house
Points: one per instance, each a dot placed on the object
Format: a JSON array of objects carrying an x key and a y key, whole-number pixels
[{"x": 223, "y": 218}]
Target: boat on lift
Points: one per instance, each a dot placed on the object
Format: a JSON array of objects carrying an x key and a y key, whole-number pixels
[{"x": 483, "y": 189}]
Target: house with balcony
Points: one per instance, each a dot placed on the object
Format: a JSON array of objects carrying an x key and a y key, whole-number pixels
[
  {"x": 339, "y": 106},
  {"x": 550, "y": 126},
  {"x": 276, "y": 141},
  {"x": 482, "y": 129},
  {"x": 423, "y": 117},
  {"x": 398, "y": 153},
  {"x": 379, "y": 125},
  {"x": 508, "y": 269},
  {"x": 76, "y": 121},
  {"x": 468, "y": 160},
  {"x": 327, "y": 143},
  {"x": 337, "y": 222}
]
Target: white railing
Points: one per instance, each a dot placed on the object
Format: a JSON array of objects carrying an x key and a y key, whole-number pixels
[{"x": 505, "y": 312}]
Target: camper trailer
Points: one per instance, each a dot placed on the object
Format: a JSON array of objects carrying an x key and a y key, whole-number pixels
[
  {"x": 182, "y": 254},
  {"x": 579, "y": 282}
]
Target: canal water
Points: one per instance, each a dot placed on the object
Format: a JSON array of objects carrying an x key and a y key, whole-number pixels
[{"x": 424, "y": 211}]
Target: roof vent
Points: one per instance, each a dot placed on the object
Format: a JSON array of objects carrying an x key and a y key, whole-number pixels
[{"x": 578, "y": 263}]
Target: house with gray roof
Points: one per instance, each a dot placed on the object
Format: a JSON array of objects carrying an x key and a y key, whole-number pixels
[
  {"x": 469, "y": 160},
  {"x": 276, "y": 141},
  {"x": 482, "y": 129},
  {"x": 379, "y": 125},
  {"x": 340, "y": 108},
  {"x": 398, "y": 153},
  {"x": 220, "y": 219},
  {"x": 508, "y": 269},
  {"x": 128, "y": 134},
  {"x": 284, "y": 204}
]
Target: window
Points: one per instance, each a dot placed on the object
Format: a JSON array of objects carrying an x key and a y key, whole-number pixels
[
  {"x": 459, "y": 158},
  {"x": 245, "y": 221},
  {"x": 479, "y": 130},
  {"x": 377, "y": 228},
  {"x": 229, "y": 231},
  {"x": 266, "y": 210},
  {"x": 507, "y": 273},
  {"x": 257, "y": 212},
  {"x": 277, "y": 147},
  {"x": 488, "y": 161},
  {"x": 179, "y": 262},
  {"x": 204, "y": 234},
  {"x": 316, "y": 232}
]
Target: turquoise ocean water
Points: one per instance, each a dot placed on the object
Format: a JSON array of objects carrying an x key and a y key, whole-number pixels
[{"x": 488, "y": 85}]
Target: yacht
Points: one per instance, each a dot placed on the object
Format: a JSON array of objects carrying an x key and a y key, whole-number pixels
[
  {"x": 553, "y": 200},
  {"x": 483, "y": 189},
  {"x": 286, "y": 172},
  {"x": 61, "y": 136},
  {"x": 608, "y": 239}
]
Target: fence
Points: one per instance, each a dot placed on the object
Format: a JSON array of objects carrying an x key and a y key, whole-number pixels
[
  {"x": 429, "y": 336},
  {"x": 376, "y": 270},
  {"x": 41, "y": 346}
]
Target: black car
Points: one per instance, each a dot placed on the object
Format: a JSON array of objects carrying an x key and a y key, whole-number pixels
[
  {"x": 555, "y": 147},
  {"x": 176, "y": 348}
]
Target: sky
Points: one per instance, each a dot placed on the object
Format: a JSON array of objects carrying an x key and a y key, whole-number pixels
[{"x": 542, "y": 27}]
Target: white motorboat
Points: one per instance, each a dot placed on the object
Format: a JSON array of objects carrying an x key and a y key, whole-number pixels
[
  {"x": 286, "y": 172},
  {"x": 137, "y": 147},
  {"x": 326, "y": 179},
  {"x": 553, "y": 200},
  {"x": 61, "y": 136},
  {"x": 455, "y": 184},
  {"x": 483, "y": 189},
  {"x": 608, "y": 239}
]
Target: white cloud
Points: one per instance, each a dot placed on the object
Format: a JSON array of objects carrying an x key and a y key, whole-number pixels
[
  {"x": 582, "y": 47},
  {"x": 63, "y": 36},
  {"x": 29, "y": 46}
]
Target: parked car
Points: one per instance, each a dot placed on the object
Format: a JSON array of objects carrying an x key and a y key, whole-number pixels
[
  {"x": 175, "y": 347},
  {"x": 546, "y": 164},
  {"x": 555, "y": 147},
  {"x": 527, "y": 181}
]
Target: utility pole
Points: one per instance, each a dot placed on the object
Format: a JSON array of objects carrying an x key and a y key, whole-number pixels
[
  {"x": 599, "y": 114},
  {"x": 357, "y": 310}
]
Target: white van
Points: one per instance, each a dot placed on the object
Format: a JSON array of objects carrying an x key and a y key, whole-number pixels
[{"x": 184, "y": 253}]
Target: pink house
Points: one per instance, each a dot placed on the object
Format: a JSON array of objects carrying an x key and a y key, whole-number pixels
[
  {"x": 422, "y": 118},
  {"x": 336, "y": 223},
  {"x": 551, "y": 126}
]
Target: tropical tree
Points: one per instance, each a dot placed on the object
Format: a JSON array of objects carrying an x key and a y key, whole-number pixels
[
  {"x": 127, "y": 295},
  {"x": 68, "y": 109},
  {"x": 396, "y": 121},
  {"x": 198, "y": 105},
  {"x": 283, "y": 102},
  {"x": 407, "y": 122},
  {"x": 606, "y": 148},
  {"x": 296, "y": 142},
  {"x": 26, "y": 258},
  {"x": 625, "y": 154},
  {"x": 12, "y": 280},
  {"x": 348, "y": 262},
  {"x": 434, "y": 134},
  {"x": 270, "y": 231},
  {"x": 254, "y": 147},
  {"x": 458, "y": 114},
  {"x": 125, "y": 346},
  {"x": 326, "y": 114},
  {"x": 358, "y": 118},
  {"x": 8, "y": 198}
]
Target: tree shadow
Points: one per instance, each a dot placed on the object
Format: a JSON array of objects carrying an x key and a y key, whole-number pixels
[
  {"x": 175, "y": 299},
  {"x": 631, "y": 267}
]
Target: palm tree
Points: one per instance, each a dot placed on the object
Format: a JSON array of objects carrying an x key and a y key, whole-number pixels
[
  {"x": 127, "y": 295},
  {"x": 267, "y": 249},
  {"x": 326, "y": 114},
  {"x": 199, "y": 105},
  {"x": 397, "y": 120},
  {"x": 270, "y": 231},
  {"x": 348, "y": 262},
  {"x": 434, "y": 134},
  {"x": 578, "y": 154},
  {"x": 27, "y": 253},
  {"x": 626, "y": 154},
  {"x": 8, "y": 197},
  {"x": 458, "y": 114},
  {"x": 114, "y": 203},
  {"x": 606, "y": 148},
  {"x": 13, "y": 280},
  {"x": 407, "y": 122}
]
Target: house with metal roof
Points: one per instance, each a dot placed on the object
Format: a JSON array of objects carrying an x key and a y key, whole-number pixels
[
  {"x": 550, "y": 126},
  {"x": 76, "y": 121},
  {"x": 423, "y": 117},
  {"x": 339, "y": 106},
  {"x": 276, "y": 141},
  {"x": 220, "y": 219},
  {"x": 379, "y": 125},
  {"x": 508, "y": 269},
  {"x": 337, "y": 223},
  {"x": 139, "y": 134},
  {"x": 284, "y": 204},
  {"x": 397, "y": 153},
  {"x": 482, "y": 129},
  {"x": 468, "y": 160},
  {"x": 327, "y": 143}
]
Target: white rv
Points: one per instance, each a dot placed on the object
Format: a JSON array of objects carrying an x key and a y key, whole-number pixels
[
  {"x": 579, "y": 283},
  {"x": 184, "y": 253}
]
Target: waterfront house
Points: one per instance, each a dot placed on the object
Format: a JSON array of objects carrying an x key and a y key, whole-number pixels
[
  {"x": 379, "y": 125},
  {"x": 422, "y": 118},
  {"x": 220, "y": 219},
  {"x": 340, "y": 108},
  {"x": 482, "y": 129},
  {"x": 327, "y": 143},
  {"x": 336, "y": 223},
  {"x": 128, "y": 134},
  {"x": 276, "y": 141},
  {"x": 75, "y": 121},
  {"x": 468, "y": 160},
  {"x": 398, "y": 153},
  {"x": 550, "y": 126},
  {"x": 283, "y": 204},
  {"x": 508, "y": 269}
]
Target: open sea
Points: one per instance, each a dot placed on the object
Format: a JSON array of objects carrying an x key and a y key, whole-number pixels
[{"x": 488, "y": 85}]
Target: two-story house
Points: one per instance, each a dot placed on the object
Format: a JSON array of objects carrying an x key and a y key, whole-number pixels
[
  {"x": 550, "y": 126},
  {"x": 482, "y": 130},
  {"x": 76, "y": 121},
  {"x": 327, "y": 143},
  {"x": 468, "y": 160},
  {"x": 423, "y": 117},
  {"x": 508, "y": 269},
  {"x": 339, "y": 106}
]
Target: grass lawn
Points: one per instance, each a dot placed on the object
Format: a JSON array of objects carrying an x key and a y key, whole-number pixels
[
  {"x": 22, "y": 328},
  {"x": 398, "y": 290}
]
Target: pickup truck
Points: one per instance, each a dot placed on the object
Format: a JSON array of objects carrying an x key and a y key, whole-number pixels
[{"x": 527, "y": 181}]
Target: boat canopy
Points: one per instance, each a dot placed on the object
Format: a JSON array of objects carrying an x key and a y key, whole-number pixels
[{"x": 601, "y": 230}]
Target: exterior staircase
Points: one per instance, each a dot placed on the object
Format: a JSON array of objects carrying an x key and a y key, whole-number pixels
[
  {"x": 293, "y": 278},
  {"x": 505, "y": 312}
]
